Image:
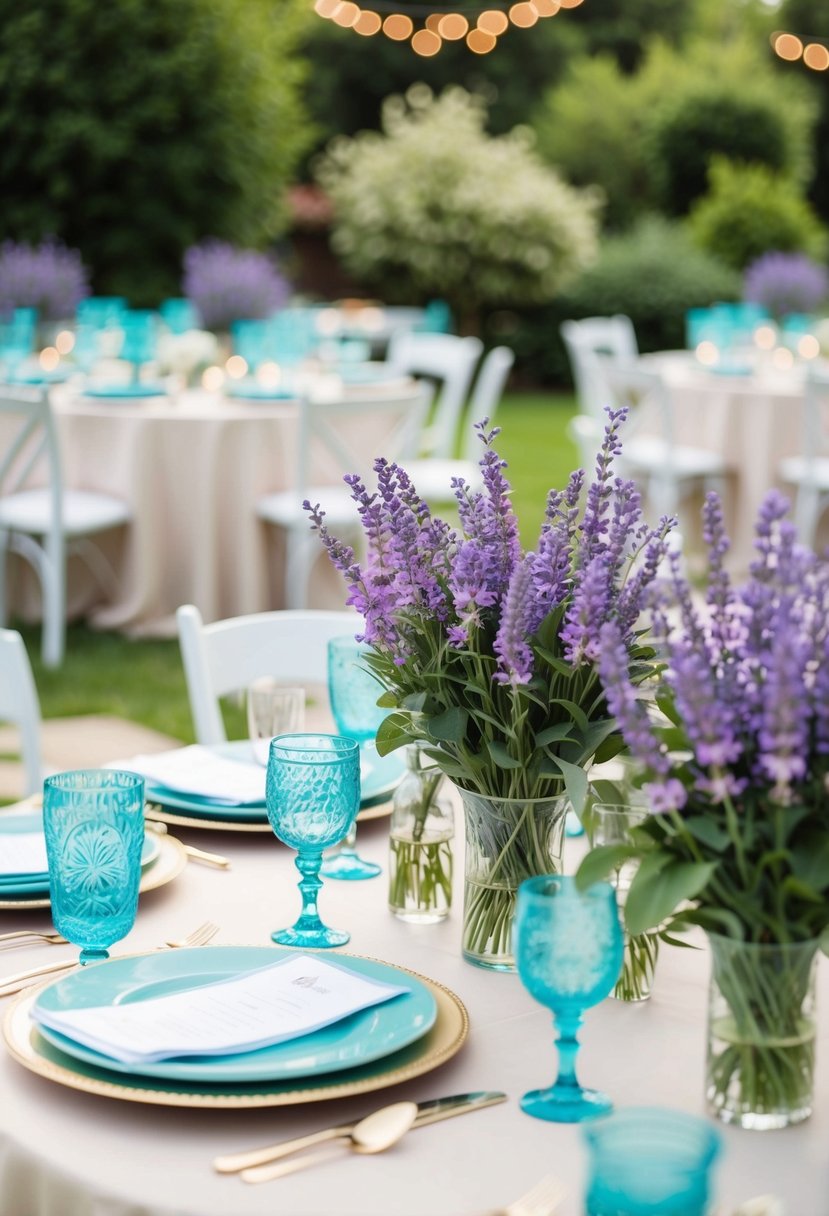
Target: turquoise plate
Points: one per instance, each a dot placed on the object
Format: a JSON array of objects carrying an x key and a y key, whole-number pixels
[
  {"x": 125, "y": 390},
  {"x": 379, "y": 777},
  {"x": 38, "y": 884},
  {"x": 353, "y": 1041},
  {"x": 258, "y": 392}
]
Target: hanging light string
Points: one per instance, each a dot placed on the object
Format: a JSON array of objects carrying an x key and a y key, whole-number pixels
[
  {"x": 427, "y": 26},
  {"x": 814, "y": 51}
]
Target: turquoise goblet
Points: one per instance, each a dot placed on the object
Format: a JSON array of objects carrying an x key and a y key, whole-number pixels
[
  {"x": 312, "y": 796},
  {"x": 93, "y": 821},
  {"x": 649, "y": 1161},
  {"x": 569, "y": 953},
  {"x": 353, "y": 693}
]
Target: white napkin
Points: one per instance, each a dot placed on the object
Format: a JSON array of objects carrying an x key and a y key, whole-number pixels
[
  {"x": 200, "y": 771},
  {"x": 22, "y": 853},
  {"x": 294, "y": 997}
]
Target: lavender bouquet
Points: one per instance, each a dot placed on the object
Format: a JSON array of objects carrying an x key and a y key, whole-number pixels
[
  {"x": 786, "y": 283},
  {"x": 488, "y": 654},
  {"x": 227, "y": 284},
  {"x": 49, "y": 277},
  {"x": 736, "y": 768}
]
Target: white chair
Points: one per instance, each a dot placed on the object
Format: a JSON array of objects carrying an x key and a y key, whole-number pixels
[
  {"x": 44, "y": 524},
  {"x": 433, "y": 475},
  {"x": 809, "y": 472},
  {"x": 612, "y": 336},
  {"x": 335, "y": 438},
  {"x": 451, "y": 361},
  {"x": 228, "y": 655},
  {"x": 19, "y": 705},
  {"x": 665, "y": 470}
]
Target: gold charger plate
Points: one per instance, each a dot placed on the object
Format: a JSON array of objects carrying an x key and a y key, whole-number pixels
[
  {"x": 168, "y": 865},
  {"x": 446, "y": 1037},
  {"x": 160, "y": 814}
]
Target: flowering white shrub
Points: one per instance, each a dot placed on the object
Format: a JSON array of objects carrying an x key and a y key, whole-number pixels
[{"x": 436, "y": 207}]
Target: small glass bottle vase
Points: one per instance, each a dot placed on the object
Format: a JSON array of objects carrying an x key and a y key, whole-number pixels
[
  {"x": 420, "y": 843},
  {"x": 761, "y": 1032}
]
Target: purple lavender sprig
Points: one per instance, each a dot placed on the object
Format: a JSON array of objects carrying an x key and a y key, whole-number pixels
[{"x": 49, "y": 277}]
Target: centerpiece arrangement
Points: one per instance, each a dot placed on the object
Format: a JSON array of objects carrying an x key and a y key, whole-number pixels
[
  {"x": 488, "y": 653},
  {"x": 734, "y": 745}
]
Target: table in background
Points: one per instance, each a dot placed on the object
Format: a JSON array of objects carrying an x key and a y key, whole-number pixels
[
  {"x": 191, "y": 468},
  {"x": 753, "y": 420},
  {"x": 65, "y": 1153}
]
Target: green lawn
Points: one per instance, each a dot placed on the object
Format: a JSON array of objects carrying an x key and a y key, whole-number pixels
[{"x": 143, "y": 680}]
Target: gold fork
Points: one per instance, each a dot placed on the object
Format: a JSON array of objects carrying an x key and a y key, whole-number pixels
[
  {"x": 13, "y": 983},
  {"x": 543, "y": 1199},
  {"x": 33, "y": 935}
]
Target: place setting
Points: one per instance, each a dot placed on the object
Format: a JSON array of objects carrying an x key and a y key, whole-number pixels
[
  {"x": 222, "y": 786},
  {"x": 228, "y": 1026}
]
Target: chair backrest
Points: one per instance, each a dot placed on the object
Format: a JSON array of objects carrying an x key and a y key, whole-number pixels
[
  {"x": 448, "y": 359},
  {"x": 19, "y": 704},
  {"x": 486, "y": 396},
  {"x": 336, "y": 436},
  {"x": 229, "y": 655},
  {"x": 611, "y": 336},
  {"x": 815, "y": 429},
  {"x": 29, "y": 447}
]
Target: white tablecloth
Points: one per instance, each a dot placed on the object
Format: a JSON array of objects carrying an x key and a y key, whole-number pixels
[
  {"x": 64, "y": 1153},
  {"x": 754, "y": 421},
  {"x": 191, "y": 468}
]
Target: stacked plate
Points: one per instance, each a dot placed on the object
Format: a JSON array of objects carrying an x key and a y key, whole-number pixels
[
  {"x": 25, "y": 884},
  {"x": 375, "y": 1047},
  {"x": 197, "y": 786}
]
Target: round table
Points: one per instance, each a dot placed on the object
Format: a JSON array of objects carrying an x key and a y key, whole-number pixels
[
  {"x": 191, "y": 467},
  {"x": 752, "y": 419},
  {"x": 65, "y": 1153}
]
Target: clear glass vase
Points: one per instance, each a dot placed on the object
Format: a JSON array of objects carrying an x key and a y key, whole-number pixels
[
  {"x": 420, "y": 843},
  {"x": 761, "y": 1032},
  {"x": 611, "y": 823},
  {"x": 507, "y": 840}
]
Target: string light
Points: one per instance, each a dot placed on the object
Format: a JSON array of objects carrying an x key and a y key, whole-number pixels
[
  {"x": 427, "y": 27},
  {"x": 812, "y": 50}
]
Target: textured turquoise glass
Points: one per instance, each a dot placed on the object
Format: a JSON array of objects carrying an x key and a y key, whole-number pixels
[
  {"x": 179, "y": 314},
  {"x": 646, "y": 1161},
  {"x": 353, "y": 693},
  {"x": 93, "y": 820},
  {"x": 569, "y": 950},
  {"x": 312, "y": 796}
]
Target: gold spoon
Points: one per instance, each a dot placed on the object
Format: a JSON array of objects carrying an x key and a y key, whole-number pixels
[{"x": 377, "y": 1132}]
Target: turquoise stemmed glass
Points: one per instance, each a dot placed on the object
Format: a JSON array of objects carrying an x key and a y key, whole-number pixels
[
  {"x": 93, "y": 821},
  {"x": 569, "y": 953},
  {"x": 650, "y": 1161},
  {"x": 312, "y": 796},
  {"x": 353, "y": 693}
]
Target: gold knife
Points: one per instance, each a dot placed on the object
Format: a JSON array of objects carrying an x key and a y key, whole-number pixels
[{"x": 432, "y": 1111}]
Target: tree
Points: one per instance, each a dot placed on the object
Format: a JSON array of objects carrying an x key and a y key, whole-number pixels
[
  {"x": 132, "y": 130},
  {"x": 436, "y": 207}
]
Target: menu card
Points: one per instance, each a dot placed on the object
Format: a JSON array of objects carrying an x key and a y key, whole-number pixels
[
  {"x": 200, "y": 771},
  {"x": 22, "y": 853},
  {"x": 294, "y": 997}
]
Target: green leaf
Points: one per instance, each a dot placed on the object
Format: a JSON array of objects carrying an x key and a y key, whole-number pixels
[
  {"x": 659, "y": 885},
  {"x": 388, "y": 700},
  {"x": 707, "y": 832},
  {"x": 558, "y": 665},
  {"x": 576, "y": 712},
  {"x": 608, "y": 791},
  {"x": 596, "y": 734},
  {"x": 553, "y": 734},
  {"x": 575, "y": 781},
  {"x": 501, "y": 756},
  {"x": 800, "y": 890},
  {"x": 599, "y": 862},
  {"x": 393, "y": 733},
  {"x": 665, "y": 700},
  {"x": 810, "y": 861},
  {"x": 449, "y": 726},
  {"x": 414, "y": 702},
  {"x": 451, "y": 767},
  {"x": 610, "y": 748}
]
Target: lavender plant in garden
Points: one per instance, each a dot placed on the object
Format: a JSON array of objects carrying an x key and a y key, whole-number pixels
[
  {"x": 734, "y": 747},
  {"x": 488, "y": 654},
  {"x": 49, "y": 277},
  {"x": 227, "y": 284},
  {"x": 786, "y": 283}
]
